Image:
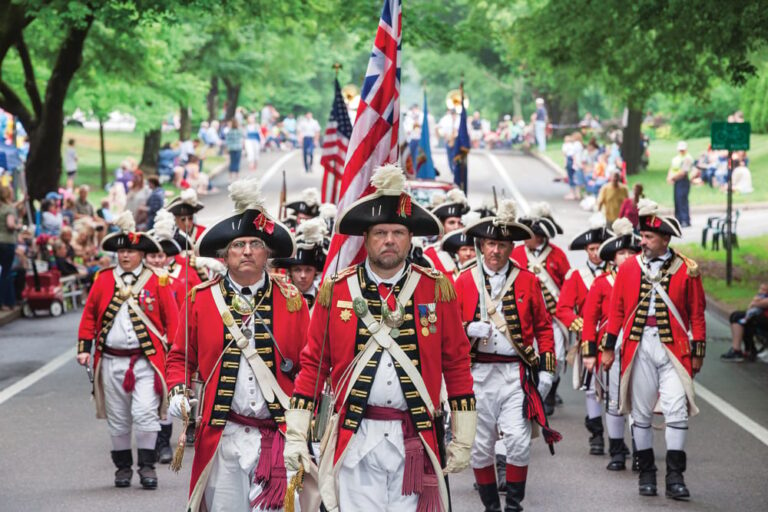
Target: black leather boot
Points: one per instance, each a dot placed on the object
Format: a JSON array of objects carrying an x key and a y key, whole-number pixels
[
  {"x": 616, "y": 449},
  {"x": 635, "y": 462},
  {"x": 676, "y": 463},
  {"x": 515, "y": 496},
  {"x": 647, "y": 478},
  {"x": 191, "y": 432},
  {"x": 596, "y": 442},
  {"x": 489, "y": 495},
  {"x": 147, "y": 473},
  {"x": 501, "y": 472},
  {"x": 549, "y": 400},
  {"x": 123, "y": 460},
  {"x": 163, "y": 444}
]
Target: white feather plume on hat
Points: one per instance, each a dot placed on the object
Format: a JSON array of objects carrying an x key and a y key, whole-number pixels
[
  {"x": 125, "y": 222},
  {"x": 470, "y": 218},
  {"x": 328, "y": 211},
  {"x": 622, "y": 226},
  {"x": 164, "y": 225},
  {"x": 437, "y": 199},
  {"x": 456, "y": 195},
  {"x": 597, "y": 220},
  {"x": 541, "y": 209},
  {"x": 246, "y": 194},
  {"x": 647, "y": 207},
  {"x": 389, "y": 179},
  {"x": 212, "y": 264},
  {"x": 507, "y": 211},
  {"x": 311, "y": 196},
  {"x": 188, "y": 196},
  {"x": 312, "y": 231}
]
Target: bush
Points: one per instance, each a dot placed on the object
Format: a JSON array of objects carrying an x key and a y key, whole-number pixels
[{"x": 693, "y": 117}]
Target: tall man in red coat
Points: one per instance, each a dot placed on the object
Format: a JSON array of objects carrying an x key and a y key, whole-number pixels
[
  {"x": 509, "y": 375},
  {"x": 388, "y": 332},
  {"x": 658, "y": 307},
  {"x": 449, "y": 212},
  {"x": 244, "y": 334},
  {"x": 570, "y": 312},
  {"x": 129, "y": 314}
]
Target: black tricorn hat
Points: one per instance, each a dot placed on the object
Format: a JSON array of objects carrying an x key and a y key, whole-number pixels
[
  {"x": 163, "y": 233},
  {"x": 596, "y": 234},
  {"x": 251, "y": 220},
  {"x": 310, "y": 246},
  {"x": 389, "y": 204},
  {"x": 650, "y": 220},
  {"x": 128, "y": 237},
  {"x": 541, "y": 221},
  {"x": 185, "y": 204},
  {"x": 503, "y": 226},
  {"x": 455, "y": 240},
  {"x": 455, "y": 205},
  {"x": 309, "y": 204},
  {"x": 624, "y": 238}
]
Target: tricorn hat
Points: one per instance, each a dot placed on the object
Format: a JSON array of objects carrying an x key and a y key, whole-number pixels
[
  {"x": 455, "y": 240},
  {"x": 250, "y": 219},
  {"x": 185, "y": 204},
  {"x": 650, "y": 220},
  {"x": 127, "y": 237},
  {"x": 309, "y": 204},
  {"x": 455, "y": 205},
  {"x": 389, "y": 204},
  {"x": 596, "y": 234},
  {"x": 541, "y": 222},
  {"x": 503, "y": 226},
  {"x": 624, "y": 237},
  {"x": 163, "y": 233},
  {"x": 310, "y": 249}
]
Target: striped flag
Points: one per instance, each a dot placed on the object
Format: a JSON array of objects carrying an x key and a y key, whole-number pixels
[
  {"x": 374, "y": 140},
  {"x": 335, "y": 142}
]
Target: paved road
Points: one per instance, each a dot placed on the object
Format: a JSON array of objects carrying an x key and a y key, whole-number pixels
[{"x": 55, "y": 456}]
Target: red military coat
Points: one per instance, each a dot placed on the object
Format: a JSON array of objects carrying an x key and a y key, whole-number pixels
[
  {"x": 595, "y": 314},
  {"x": 433, "y": 255},
  {"x": 155, "y": 300},
  {"x": 573, "y": 294},
  {"x": 556, "y": 263},
  {"x": 206, "y": 340},
  {"x": 535, "y": 321},
  {"x": 182, "y": 282}
]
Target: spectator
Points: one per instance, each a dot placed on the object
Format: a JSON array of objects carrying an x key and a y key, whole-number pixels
[
  {"x": 22, "y": 262},
  {"x": 66, "y": 238},
  {"x": 212, "y": 135},
  {"x": 679, "y": 177},
  {"x": 540, "y": 125},
  {"x": 741, "y": 178},
  {"x": 588, "y": 163},
  {"x": 68, "y": 212},
  {"x": 82, "y": 207},
  {"x": 136, "y": 199},
  {"x": 234, "y": 143},
  {"x": 70, "y": 163},
  {"x": 104, "y": 212},
  {"x": 8, "y": 227},
  {"x": 309, "y": 132},
  {"x": 194, "y": 178},
  {"x": 252, "y": 142},
  {"x": 612, "y": 196},
  {"x": 744, "y": 324},
  {"x": 289, "y": 126},
  {"x": 166, "y": 159},
  {"x": 51, "y": 219},
  {"x": 65, "y": 265},
  {"x": 155, "y": 201},
  {"x": 124, "y": 173},
  {"x": 629, "y": 206}
]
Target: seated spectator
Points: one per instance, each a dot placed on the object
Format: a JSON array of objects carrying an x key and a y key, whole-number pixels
[
  {"x": 68, "y": 212},
  {"x": 66, "y": 239},
  {"x": 104, "y": 212},
  {"x": 82, "y": 207},
  {"x": 166, "y": 159},
  {"x": 51, "y": 219},
  {"x": 194, "y": 177},
  {"x": 741, "y": 178},
  {"x": 744, "y": 324},
  {"x": 63, "y": 263}
]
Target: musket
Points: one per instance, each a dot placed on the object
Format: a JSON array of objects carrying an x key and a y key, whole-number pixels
[
  {"x": 283, "y": 194},
  {"x": 495, "y": 199}
]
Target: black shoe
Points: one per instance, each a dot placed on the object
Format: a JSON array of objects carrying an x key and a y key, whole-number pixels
[
  {"x": 549, "y": 401},
  {"x": 147, "y": 473},
  {"x": 515, "y": 496},
  {"x": 676, "y": 465},
  {"x": 596, "y": 441},
  {"x": 501, "y": 473},
  {"x": 163, "y": 444},
  {"x": 489, "y": 495},
  {"x": 123, "y": 459},
  {"x": 558, "y": 399},
  {"x": 732, "y": 356},
  {"x": 647, "y": 478},
  {"x": 191, "y": 433},
  {"x": 616, "y": 449}
]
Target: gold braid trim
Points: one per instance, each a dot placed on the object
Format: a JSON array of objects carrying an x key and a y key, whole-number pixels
[
  {"x": 444, "y": 290},
  {"x": 292, "y": 296},
  {"x": 693, "y": 267},
  {"x": 202, "y": 286},
  {"x": 324, "y": 295}
]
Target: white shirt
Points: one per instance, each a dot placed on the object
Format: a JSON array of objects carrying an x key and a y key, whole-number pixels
[
  {"x": 121, "y": 335},
  {"x": 308, "y": 127},
  {"x": 497, "y": 343},
  {"x": 655, "y": 267}
]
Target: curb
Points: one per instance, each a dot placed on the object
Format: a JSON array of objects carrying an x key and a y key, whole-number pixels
[
  {"x": 549, "y": 163},
  {"x": 9, "y": 316},
  {"x": 718, "y": 309}
]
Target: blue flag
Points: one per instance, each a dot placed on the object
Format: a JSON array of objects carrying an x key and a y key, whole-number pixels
[
  {"x": 425, "y": 169},
  {"x": 460, "y": 150}
]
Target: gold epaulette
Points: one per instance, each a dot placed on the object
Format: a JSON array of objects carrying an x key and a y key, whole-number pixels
[
  {"x": 444, "y": 290},
  {"x": 324, "y": 295},
  {"x": 162, "y": 276},
  {"x": 98, "y": 272},
  {"x": 693, "y": 267},
  {"x": 292, "y": 296},
  {"x": 202, "y": 286}
]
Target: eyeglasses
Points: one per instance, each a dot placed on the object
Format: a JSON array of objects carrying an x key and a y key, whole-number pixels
[{"x": 253, "y": 245}]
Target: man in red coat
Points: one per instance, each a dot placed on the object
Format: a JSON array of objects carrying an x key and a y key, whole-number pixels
[
  {"x": 658, "y": 307},
  {"x": 502, "y": 324},
  {"x": 187, "y": 232},
  {"x": 570, "y": 311},
  {"x": 128, "y": 313},
  {"x": 449, "y": 212},
  {"x": 550, "y": 265},
  {"x": 244, "y": 335},
  {"x": 388, "y": 332},
  {"x": 615, "y": 251}
]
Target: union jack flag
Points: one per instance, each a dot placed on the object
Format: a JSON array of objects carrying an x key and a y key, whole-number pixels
[
  {"x": 374, "y": 140},
  {"x": 335, "y": 142}
]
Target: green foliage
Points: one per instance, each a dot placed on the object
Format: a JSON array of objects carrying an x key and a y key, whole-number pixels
[{"x": 692, "y": 117}]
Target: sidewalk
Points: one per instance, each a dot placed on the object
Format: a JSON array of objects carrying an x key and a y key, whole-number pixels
[{"x": 7, "y": 317}]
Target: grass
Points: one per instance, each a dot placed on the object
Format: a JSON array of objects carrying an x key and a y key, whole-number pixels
[
  {"x": 750, "y": 268},
  {"x": 661, "y": 153},
  {"x": 118, "y": 146}
]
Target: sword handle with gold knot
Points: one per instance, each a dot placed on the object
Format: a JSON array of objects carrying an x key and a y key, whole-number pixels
[
  {"x": 178, "y": 454},
  {"x": 295, "y": 485}
]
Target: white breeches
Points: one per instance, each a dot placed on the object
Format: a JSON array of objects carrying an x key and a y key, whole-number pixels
[
  {"x": 499, "y": 396},
  {"x": 140, "y": 408},
  {"x": 560, "y": 341}
]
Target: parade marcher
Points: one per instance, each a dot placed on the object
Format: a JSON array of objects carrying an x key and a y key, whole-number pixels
[
  {"x": 306, "y": 265},
  {"x": 128, "y": 314},
  {"x": 509, "y": 376},
  {"x": 658, "y": 306},
  {"x": 388, "y": 332},
  {"x": 570, "y": 312},
  {"x": 550, "y": 265},
  {"x": 308, "y": 207},
  {"x": 244, "y": 334},
  {"x": 623, "y": 245},
  {"x": 184, "y": 208},
  {"x": 449, "y": 212},
  {"x": 460, "y": 246}
]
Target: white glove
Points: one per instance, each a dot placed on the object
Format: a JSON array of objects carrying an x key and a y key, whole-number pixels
[
  {"x": 463, "y": 426},
  {"x": 545, "y": 383},
  {"x": 479, "y": 330},
  {"x": 176, "y": 403},
  {"x": 296, "y": 452}
]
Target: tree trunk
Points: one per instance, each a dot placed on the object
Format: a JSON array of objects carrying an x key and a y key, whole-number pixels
[
  {"x": 632, "y": 142},
  {"x": 43, "y": 167},
  {"x": 149, "y": 154},
  {"x": 233, "y": 94},
  {"x": 185, "y": 123},
  {"x": 212, "y": 99},
  {"x": 103, "y": 155}
]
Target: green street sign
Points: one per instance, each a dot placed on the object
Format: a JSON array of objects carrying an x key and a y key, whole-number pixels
[{"x": 731, "y": 136}]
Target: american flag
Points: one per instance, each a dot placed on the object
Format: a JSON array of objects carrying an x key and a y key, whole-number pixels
[
  {"x": 335, "y": 142},
  {"x": 374, "y": 138}
]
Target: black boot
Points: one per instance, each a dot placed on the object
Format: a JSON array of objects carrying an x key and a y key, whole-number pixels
[
  {"x": 676, "y": 462},
  {"x": 489, "y": 495},
  {"x": 549, "y": 400},
  {"x": 515, "y": 496},
  {"x": 191, "y": 432},
  {"x": 163, "y": 444},
  {"x": 501, "y": 472},
  {"x": 123, "y": 459},
  {"x": 635, "y": 462},
  {"x": 647, "y": 478},
  {"x": 616, "y": 449},
  {"x": 147, "y": 473},
  {"x": 596, "y": 442}
]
